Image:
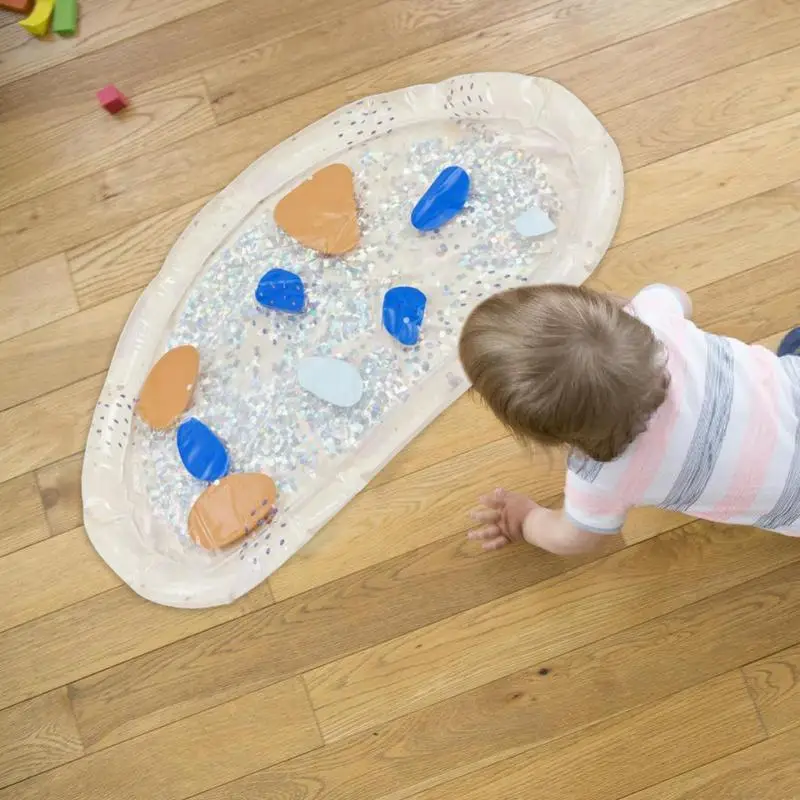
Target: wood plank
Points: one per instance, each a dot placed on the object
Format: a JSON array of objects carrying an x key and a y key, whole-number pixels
[
  {"x": 23, "y": 304},
  {"x": 753, "y": 304},
  {"x": 120, "y": 262},
  {"x": 613, "y": 758},
  {"x": 223, "y": 29},
  {"x": 498, "y": 721},
  {"x": 389, "y": 599},
  {"x": 768, "y": 770},
  {"x": 720, "y": 105},
  {"x": 710, "y": 177},
  {"x": 60, "y": 489},
  {"x": 39, "y": 159},
  {"x": 22, "y": 522},
  {"x": 49, "y": 428},
  {"x": 51, "y": 575},
  {"x": 561, "y": 30},
  {"x": 97, "y": 633},
  {"x": 187, "y": 757},
  {"x": 707, "y": 248},
  {"x": 644, "y": 523},
  {"x": 137, "y": 189},
  {"x": 458, "y": 654},
  {"x": 659, "y": 60},
  {"x": 413, "y": 511},
  {"x": 102, "y": 23},
  {"x": 775, "y": 685},
  {"x": 37, "y": 735},
  {"x": 65, "y": 351}
]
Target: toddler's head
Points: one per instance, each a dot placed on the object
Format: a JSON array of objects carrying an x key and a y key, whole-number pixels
[{"x": 565, "y": 365}]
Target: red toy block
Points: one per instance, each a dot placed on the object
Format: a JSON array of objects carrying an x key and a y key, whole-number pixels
[
  {"x": 112, "y": 99},
  {"x": 23, "y": 6}
]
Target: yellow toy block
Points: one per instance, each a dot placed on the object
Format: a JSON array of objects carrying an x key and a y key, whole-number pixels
[{"x": 39, "y": 19}]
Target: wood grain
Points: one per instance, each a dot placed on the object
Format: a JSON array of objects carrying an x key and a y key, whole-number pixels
[
  {"x": 51, "y": 575},
  {"x": 618, "y": 756},
  {"x": 88, "y": 636},
  {"x": 225, "y": 742},
  {"x": 112, "y": 265},
  {"x": 413, "y": 511},
  {"x": 659, "y": 60},
  {"x": 22, "y": 522},
  {"x": 709, "y": 247},
  {"x": 723, "y": 104},
  {"x": 390, "y": 599},
  {"x": 45, "y": 360},
  {"x": 768, "y": 770},
  {"x": 557, "y": 31},
  {"x": 468, "y": 649},
  {"x": 37, "y": 162},
  {"x": 698, "y": 181},
  {"x": 23, "y": 304},
  {"x": 775, "y": 685},
  {"x": 36, "y": 736},
  {"x": 494, "y": 723},
  {"x": 60, "y": 490},
  {"x": 47, "y": 429},
  {"x": 102, "y": 22}
]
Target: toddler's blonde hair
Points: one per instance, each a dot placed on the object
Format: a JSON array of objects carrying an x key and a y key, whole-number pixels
[{"x": 565, "y": 365}]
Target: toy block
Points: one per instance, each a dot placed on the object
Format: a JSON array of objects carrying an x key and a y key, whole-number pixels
[
  {"x": 112, "y": 99},
  {"x": 65, "y": 17},
  {"x": 39, "y": 19},
  {"x": 23, "y": 6}
]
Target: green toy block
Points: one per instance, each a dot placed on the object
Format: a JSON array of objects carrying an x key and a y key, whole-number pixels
[{"x": 65, "y": 17}]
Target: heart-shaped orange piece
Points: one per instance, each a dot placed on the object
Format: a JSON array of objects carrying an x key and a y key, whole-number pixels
[
  {"x": 320, "y": 213},
  {"x": 231, "y": 508},
  {"x": 168, "y": 388}
]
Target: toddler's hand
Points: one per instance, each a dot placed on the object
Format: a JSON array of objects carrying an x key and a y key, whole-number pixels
[{"x": 502, "y": 514}]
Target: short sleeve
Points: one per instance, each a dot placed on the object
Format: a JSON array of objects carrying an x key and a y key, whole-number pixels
[
  {"x": 661, "y": 301},
  {"x": 589, "y": 505}
]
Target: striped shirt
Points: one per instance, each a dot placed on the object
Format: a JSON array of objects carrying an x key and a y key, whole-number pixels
[{"x": 724, "y": 446}]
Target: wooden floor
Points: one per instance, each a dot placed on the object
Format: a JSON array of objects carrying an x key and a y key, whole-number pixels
[{"x": 390, "y": 659}]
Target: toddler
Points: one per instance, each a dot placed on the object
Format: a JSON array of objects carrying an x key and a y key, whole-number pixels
[{"x": 655, "y": 412}]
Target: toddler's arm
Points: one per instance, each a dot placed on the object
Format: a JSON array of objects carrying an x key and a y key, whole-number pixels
[{"x": 511, "y": 517}]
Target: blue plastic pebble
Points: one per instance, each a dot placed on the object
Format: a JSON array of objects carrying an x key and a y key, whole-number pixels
[
  {"x": 444, "y": 198},
  {"x": 331, "y": 379},
  {"x": 281, "y": 290},
  {"x": 533, "y": 222},
  {"x": 202, "y": 453},
  {"x": 403, "y": 310}
]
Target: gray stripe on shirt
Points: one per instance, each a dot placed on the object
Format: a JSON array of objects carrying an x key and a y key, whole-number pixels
[
  {"x": 585, "y": 468},
  {"x": 786, "y": 510},
  {"x": 709, "y": 433}
]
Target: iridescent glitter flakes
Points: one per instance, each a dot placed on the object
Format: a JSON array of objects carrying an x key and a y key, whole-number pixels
[{"x": 248, "y": 391}]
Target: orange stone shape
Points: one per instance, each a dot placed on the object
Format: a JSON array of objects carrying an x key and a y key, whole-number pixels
[
  {"x": 169, "y": 386},
  {"x": 321, "y": 212},
  {"x": 231, "y": 508}
]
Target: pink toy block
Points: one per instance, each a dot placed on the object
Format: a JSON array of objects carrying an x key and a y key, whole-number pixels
[{"x": 112, "y": 99}]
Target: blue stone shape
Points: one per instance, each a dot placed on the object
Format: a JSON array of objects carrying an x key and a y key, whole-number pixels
[
  {"x": 533, "y": 222},
  {"x": 403, "y": 310},
  {"x": 202, "y": 453},
  {"x": 281, "y": 290},
  {"x": 444, "y": 198},
  {"x": 331, "y": 379}
]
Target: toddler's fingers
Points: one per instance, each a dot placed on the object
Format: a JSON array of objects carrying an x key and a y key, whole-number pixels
[
  {"x": 486, "y": 532},
  {"x": 493, "y": 500},
  {"x": 496, "y": 543},
  {"x": 484, "y": 515}
]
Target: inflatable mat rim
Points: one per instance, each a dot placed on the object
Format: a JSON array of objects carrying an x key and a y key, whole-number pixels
[{"x": 512, "y": 96}]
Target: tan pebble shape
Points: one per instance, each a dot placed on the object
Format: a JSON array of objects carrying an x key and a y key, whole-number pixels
[
  {"x": 169, "y": 386},
  {"x": 231, "y": 508},
  {"x": 321, "y": 212}
]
